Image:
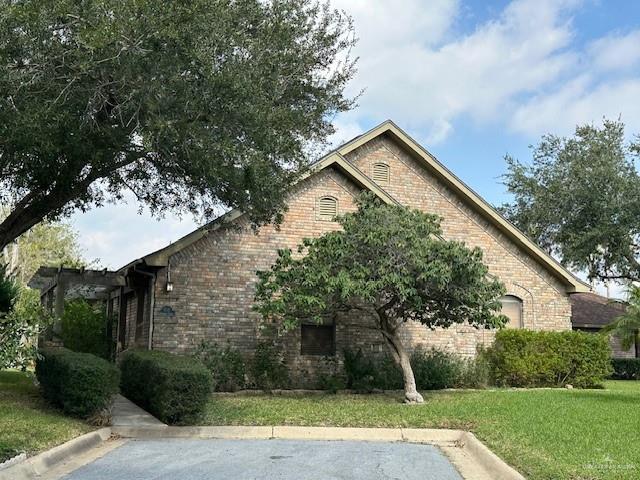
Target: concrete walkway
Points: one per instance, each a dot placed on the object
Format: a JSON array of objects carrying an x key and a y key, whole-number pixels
[{"x": 125, "y": 413}]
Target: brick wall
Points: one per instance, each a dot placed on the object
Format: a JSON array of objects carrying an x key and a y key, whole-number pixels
[{"x": 214, "y": 278}]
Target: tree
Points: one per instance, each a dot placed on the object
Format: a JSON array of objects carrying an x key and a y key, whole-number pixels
[
  {"x": 8, "y": 291},
  {"x": 627, "y": 326},
  {"x": 46, "y": 244},
  {"x": 189, "y": 105},
  {"x": 19, "y": 330},
  {"x": 388, "y": 263},
  {"x": 580, "y": 200}
]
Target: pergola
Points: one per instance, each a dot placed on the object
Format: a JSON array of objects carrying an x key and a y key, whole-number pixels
[{"x": 58, "y": 284}]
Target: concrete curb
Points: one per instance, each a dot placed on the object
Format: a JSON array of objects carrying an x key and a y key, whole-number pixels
[
  {"x": 35, "y": 466},
  {"x": 472, "y": 458},
  {"x": 489, "y": 460}
]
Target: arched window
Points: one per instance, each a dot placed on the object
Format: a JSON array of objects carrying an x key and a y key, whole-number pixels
[
  {"x": 380, "y": 173},
  {"x": 327, "y": 208},
  {"x": 512, "y": 309}
]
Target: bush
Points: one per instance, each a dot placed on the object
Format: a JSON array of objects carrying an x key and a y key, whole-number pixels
[
  {"x": 174, "y": 388},
  {"x": 524, "y": 358},
  {"x": 435, "y": 369},
  {"x": 20, "y": 328},
  {"x": 268, "y": 370},
  {"x": 84, "y": 328},
  {"x": 79, "y": 383},
  {"x": 364, "y": 374},
  {"x": 225, "y": 364},
  {"x": 626, "y": 368}
]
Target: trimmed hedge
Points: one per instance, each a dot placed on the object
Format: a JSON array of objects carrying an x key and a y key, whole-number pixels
[
  {"x": 524, "y": 358},
  {"x": 173, "y": 388},
  {"x": 626, "y": 368},
  {"x": 79, "y": 383}
]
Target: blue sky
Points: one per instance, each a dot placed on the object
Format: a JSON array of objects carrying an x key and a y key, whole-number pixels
[{"x": 470, "y": 80}]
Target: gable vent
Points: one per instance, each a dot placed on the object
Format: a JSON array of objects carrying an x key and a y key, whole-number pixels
[
  {"x": 327, "y": 208},
  {"x": 380, "y": 173}
]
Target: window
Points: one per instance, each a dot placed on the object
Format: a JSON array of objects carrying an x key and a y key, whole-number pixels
[
  {"x": 317, "y": 340},
  {"x": 380, "y": 173},
  {"x": 327, "y": 208},
  {"x": 512, "y": 309}
]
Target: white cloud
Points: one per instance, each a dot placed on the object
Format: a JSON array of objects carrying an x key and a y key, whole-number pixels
[
  {"x": 425, "y": 78},
  {"x": 616, "y": 52},
  {"x": 580, "y": 102}
]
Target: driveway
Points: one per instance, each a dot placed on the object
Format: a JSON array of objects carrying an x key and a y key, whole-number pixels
[{"x": 267, "y": 460}]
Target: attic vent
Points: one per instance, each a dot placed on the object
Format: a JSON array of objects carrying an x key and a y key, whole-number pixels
[
  {"x": 380, "y": 173},
  {"x": 327, "y": 208}
]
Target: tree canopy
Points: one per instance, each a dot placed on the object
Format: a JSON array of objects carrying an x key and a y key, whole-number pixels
[
  {"x": 388, "y": 263},
  {"x": 189, "y": 105},
  {"x": 627, "y": 326},
  {"x": 47, "y": 244},
  {"x": 580, "y": 200}
]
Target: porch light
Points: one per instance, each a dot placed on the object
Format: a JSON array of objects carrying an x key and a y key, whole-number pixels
[{"x": 169, "y": 286}]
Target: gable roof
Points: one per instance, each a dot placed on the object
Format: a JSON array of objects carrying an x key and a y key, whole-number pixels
[
  {"x": 336, "y": 159},
  {"x": 160, "y": 258},
  {"x": 590, "y": 310}
]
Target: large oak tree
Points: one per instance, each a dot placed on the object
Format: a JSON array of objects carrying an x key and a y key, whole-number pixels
[
  {"x": 579, "y": 198},
  {"x": 188, "y": 104},
  {"x": 389, "y": 264}
]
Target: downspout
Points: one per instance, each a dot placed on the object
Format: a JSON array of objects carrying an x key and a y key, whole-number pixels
[
  {"x": 533, "y": 306},
  {"x": 152, "y": 302}
]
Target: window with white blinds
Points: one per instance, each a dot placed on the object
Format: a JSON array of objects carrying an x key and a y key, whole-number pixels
[
  {"x": 327, "y": 208},
  {"x": 380, "y": 173},
  {"x": 512, "y": 309}
]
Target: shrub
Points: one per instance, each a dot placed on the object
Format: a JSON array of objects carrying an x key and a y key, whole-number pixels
[
  {"x": 359, "y": 371},
  {"x": 225, "y": 364},
  {"x": 84, "y": 328},
  {"x": 174, "y": 388},
  {"x": 79, "y": 383},
  {"x": 476, "y": 372},
  {"x": 524, "y": 358},
  {"x": 435, "y": 369},
  {"x": 268, "y": 370},
  {"x": 626, "y": 368}
]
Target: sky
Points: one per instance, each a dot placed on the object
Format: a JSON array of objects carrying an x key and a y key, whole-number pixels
[{"x": 470, "y": 80}]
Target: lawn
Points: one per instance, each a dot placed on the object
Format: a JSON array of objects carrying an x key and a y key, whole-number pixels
[
  {"x": 27, "y": 423},
  {"x": 545, "y": 434}
]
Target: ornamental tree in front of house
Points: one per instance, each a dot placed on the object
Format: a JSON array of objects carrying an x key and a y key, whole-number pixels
[{"x": 389, "y": 263}]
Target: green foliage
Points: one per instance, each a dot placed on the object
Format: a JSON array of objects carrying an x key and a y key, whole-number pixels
[
  {"x": 435, "y": 369},
  {"x": 580, "y": 199},
  {"x": 626, "y": 368},
  {"x": 8, "y": 291},
  {"x": 389, "y": 261},
  {"x": 19, "y": 330},
  {"x": 190, "y": 105},
  {"x": 365, "y": 374},
  {"x": 79, "y": 383},
  {"x": 331, "y": 383},
  {"x": 525, "y": 358},
  {"x": 84, "y": 328},
  {"x": 627, "y": 326},
  {"x": 48, "y": 244},
  {"x": 173, "y": 388},
  {"x": 267, "y": 368},
  {"x": 226, "y": 365}
]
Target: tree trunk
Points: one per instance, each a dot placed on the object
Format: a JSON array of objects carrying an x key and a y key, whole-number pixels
[{"x": 401, "y": 357}]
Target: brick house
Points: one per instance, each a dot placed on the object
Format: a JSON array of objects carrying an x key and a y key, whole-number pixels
[{"x": 201, "y": 287}]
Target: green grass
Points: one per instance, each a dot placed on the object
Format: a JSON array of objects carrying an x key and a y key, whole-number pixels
[
  {"x": 27, "y": 423},
  {"x": 545, "y": 434}
]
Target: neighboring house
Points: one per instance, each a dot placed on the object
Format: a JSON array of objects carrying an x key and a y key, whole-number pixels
[
  {"x": 201, "y": 287},
  {"x": 590, "y": 312}
]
